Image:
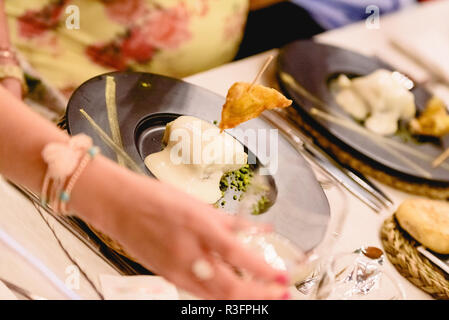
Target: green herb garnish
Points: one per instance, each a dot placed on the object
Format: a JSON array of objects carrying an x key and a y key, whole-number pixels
[
  {"x": 261, "y": 206},
  {"x": 238, "y": 180}
]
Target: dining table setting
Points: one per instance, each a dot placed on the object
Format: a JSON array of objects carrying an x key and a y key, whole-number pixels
[{"x": 357, "y": 184}]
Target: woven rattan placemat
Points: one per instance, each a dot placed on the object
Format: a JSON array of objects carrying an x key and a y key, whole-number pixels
[{"x": 401, "y": 250}]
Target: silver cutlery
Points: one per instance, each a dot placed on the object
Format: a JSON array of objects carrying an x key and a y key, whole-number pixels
[
  {"x": 350, "y": 179},
  {"x": 440, "y": 260}
]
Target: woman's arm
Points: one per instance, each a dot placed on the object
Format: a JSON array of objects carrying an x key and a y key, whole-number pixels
[
  {"x": 165, "y": 235},
  {"x": 12, "y": 84}
]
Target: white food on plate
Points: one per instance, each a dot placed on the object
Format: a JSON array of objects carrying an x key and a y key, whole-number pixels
[
  {"x": 380, "y": 98},
  {"x": 195, "y": 157}
]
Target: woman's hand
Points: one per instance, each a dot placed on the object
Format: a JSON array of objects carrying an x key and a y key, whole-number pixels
[
  {"x": 164, "y": 229},
  {"x": 167, "y": 231}
]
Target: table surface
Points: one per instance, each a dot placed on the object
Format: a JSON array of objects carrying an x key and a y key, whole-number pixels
[{"x": 20, "y": 218}]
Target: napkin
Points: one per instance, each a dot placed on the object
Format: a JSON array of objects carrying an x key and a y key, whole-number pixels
[
  {"x": 137, "y": 288},
  {"x": 5, "y": 293}
]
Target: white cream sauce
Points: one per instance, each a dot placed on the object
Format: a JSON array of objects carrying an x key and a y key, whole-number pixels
[{"x": 195, "y": 157}]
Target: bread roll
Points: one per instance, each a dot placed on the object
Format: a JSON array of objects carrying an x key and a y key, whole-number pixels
[{"x": 427, "y": 221}]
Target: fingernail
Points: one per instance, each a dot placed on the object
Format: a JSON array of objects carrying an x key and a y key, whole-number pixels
[
  {"x": 286, "y": 296},
  {"x": 282, "y": 279}
]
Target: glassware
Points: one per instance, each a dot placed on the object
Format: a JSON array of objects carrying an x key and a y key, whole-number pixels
[
  {"x": 359, "y": 275},
  {"x": 319, "y": 273},
  {"x": 34, "y": 271},
  {"x": 283, "y": 249}
]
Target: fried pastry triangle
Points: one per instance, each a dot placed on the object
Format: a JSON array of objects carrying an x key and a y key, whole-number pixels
[
  {"x": 433, "y": 121},
  {"x": 245, "y": 102}
]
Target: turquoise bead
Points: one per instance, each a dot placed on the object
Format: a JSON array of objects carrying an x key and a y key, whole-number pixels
[
  {"x": 65, "y": 197},
  {"x": 92, "y": 152}
]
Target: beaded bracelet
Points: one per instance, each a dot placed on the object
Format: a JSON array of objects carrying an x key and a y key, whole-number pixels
[{"x": 66, "y": 162}]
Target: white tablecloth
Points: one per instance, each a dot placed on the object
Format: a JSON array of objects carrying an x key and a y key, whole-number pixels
[{"x": 19, "y": 218}]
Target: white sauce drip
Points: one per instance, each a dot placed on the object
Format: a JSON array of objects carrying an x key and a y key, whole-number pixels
[{"x": 196, "y": 157}]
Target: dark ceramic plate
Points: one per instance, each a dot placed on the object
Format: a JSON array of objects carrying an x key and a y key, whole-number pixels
[
  {"x": 143, "y": 112},
  {"x": 312, "y": 66}
]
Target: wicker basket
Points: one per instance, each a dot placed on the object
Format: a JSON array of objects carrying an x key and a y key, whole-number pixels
[{"x": 401, "y": 250}]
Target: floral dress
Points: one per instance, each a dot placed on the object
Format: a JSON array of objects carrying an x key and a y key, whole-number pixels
[{"x": 170, "y": 37}]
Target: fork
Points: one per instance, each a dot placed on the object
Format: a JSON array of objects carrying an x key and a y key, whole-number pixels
[{"x": 350, "y": 179}]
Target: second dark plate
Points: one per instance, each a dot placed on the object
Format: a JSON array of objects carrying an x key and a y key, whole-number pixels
[{"x": 312, "y": 65}]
